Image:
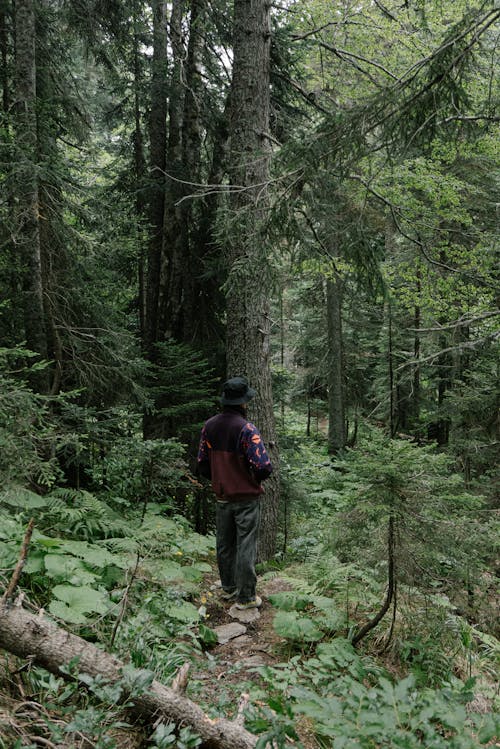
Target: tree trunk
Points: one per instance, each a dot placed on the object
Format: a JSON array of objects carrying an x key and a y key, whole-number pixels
[
  {"x": 249, "y": 282},
  {"x": 172, "y": 271},
  {"x": 336, "y": 388},
  {"x": 157, "y": 136},
  {"x": 191, "y": 151},
  {"x": 4, "y": 47},
  {"x": 27, "y": 230},
  {"x": 139, "y": 173},
  {"x": 210, "y": 299},
  {"x": 51, "y": 647},
  {"x": 416, "y": 352}
]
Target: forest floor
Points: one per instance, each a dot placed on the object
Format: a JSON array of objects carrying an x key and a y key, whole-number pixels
[
  {"x": 219, "y": 678},
  {"x": 235, "y": 663}
]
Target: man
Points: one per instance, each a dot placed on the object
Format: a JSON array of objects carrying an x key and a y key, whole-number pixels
[{"x": 233, "y": 456}]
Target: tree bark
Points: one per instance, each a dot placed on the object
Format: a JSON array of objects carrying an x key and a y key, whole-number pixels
[
  {"x": 172, "y": 271},
  {"x": 391, "y": 585},
  {"x": 336, "y": 388},
  {"x": 249, "y": 281},
  {"x": 416, "y": 351},
  {"x": 51, "y": 647},
  {"x": 27, "y": 230},
  {"x": 157, "y": 136},
  {"x": 191, "y": 157},
  {"x": 139, "y": 172},
  {"x": 4, "y": 47}
]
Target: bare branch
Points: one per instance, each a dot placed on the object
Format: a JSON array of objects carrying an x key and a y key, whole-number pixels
[
  {"x": 462, "y": 322},
  {"x": 343, "y": 53},
  {"x": 20, "y": 563}
]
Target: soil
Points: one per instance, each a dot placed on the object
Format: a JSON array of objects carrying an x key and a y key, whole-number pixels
[{"x": 234, "y": 665}]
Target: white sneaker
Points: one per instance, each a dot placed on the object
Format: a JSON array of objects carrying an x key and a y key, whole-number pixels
[{"x": 249, "y": 604}]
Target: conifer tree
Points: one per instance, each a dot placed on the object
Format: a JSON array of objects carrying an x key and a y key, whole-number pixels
[{"x": 248, "y": 318}]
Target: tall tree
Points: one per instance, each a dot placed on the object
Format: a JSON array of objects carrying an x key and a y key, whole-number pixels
[
  {"x": 336, "y": 387},
  {"x": 248, "y": 320},
  {"x": 27, "y": 230},
  {"x": 157, "y": 137}
]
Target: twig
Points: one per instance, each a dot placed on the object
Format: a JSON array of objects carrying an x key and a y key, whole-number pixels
[
  {"x": 391, "y": 582},
  {"x": 20, "y": 563},
  {"x": 179, "y": 684},
  {"x": 124, "y": 601},
  {"x": 242, "y": 705}
]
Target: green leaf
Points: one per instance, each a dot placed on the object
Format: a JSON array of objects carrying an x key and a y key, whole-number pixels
[
  {"x": 23, "y": 499},
  {"x": 207, "y": 635},
  {"x": 166, "y": 570},
  {"x": 290, "y": 625},
  {"x": 186, "y": 612},
  {"x": 78, "y": 600},
  {"x": 95, "y": 556},
  {"x": 68, "y": 568},
  {"x": 67, "y": 613},
  {"x": 489, "y": 730},
  {"x": 34, "y": 563},
  {"x": 290, "y": 600},
  {"x": 192, "y": 574}
]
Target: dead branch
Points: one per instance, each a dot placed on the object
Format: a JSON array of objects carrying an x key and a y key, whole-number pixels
[
  {"x": 52, "y": 647},
  {"x": 20, "y": 563},
  {"x": 179, "y": 684}
]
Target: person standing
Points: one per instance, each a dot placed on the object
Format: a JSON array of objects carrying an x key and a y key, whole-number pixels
[{"x": 233, "y": 456}]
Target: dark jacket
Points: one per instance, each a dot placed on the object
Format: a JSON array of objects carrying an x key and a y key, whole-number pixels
[{"x": 233, "y": 456}]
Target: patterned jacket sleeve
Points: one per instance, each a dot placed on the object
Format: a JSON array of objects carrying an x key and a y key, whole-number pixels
[
  {"x": 203, "y": 456},
  {"x": 253, "y": 448}
]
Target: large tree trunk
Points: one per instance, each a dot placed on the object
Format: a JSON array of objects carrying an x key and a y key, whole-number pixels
[
  {"x": 51, "y": 647},
  {"x": 210, "y": 298},
  {"x": 174, "y": 239},
  {"x": 191, "y": 153},
  {"x": 4, "y": 47},
  {"x": 157, "y": 136},
  {"x": 249, "y": 283},
  {"x": 336, "y": 389},
  {"x": 27, "y": 230},
  {"x": 139, "y": 172}
]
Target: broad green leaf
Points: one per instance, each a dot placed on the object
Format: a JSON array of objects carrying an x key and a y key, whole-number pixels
[
  {"x": 23, "y": 499},
  {"x": 81, "y": 598},
  {"x": 95, "y": 556},
  {"x": 166, "y": 570},
  {"x": 34, "y": 562},
  {"x": 67, "y": 613},
  {"x": 69, "y": 568},
  {"x": 192, "y": 574},
  {"x": 289, "y": 600},
  {"x": 290, "y": 625},
  {"x": 186, "y": 612},
  {"x": 207, "y": 635}
]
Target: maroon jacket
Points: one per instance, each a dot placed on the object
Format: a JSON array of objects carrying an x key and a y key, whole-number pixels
[{"x": 233, "y": 456}]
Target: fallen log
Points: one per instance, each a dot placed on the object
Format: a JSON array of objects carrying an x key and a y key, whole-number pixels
[{"x": 50, "y": 646}]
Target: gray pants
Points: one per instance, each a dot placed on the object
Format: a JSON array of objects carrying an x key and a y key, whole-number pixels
[{"x": 237, "y": 531}]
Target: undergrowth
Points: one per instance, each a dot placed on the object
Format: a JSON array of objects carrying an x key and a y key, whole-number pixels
[{"x": 117, "y": 563}]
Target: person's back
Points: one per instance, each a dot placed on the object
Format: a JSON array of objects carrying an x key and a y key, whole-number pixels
[
  {"x": 232, "y": 454},
  {"x": 237, "y": 458}
]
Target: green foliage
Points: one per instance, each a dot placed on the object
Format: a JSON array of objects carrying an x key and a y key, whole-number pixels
[
  {"x": 138, "y": 470},
  {"x": 353, "y": 704},
  {"x": 318, "y": 616},
  {"x": 181, "y": 385},
  {"x": 166, "y": 735},
  {"x": 25, "y": 451}
]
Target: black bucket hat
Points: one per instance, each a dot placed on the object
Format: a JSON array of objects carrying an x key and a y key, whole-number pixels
[{"x": 236, "y": 391}]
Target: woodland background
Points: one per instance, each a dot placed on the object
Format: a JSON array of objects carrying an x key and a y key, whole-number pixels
[{"x": 305, "y": 193}]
